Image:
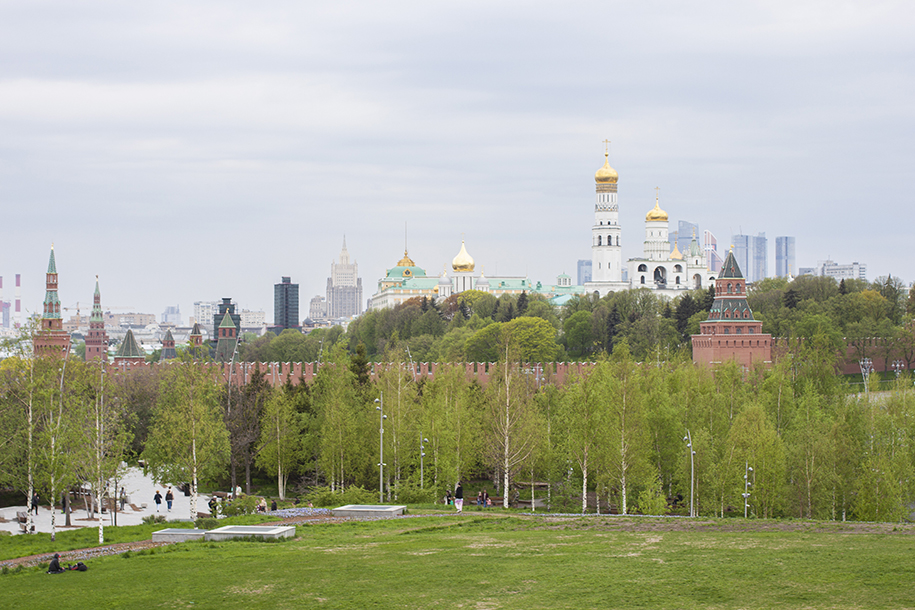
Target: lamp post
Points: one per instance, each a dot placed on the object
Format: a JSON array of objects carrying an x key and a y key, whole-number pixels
[
  {"x": 898, "y": 366},
  {"x": 422, "y": 454},
  {"x": 746, "y": 487},
  {"x": 867, "y": 367},
  {"x": 381, "y": 418},
  {"x": 692, "y": 471}
]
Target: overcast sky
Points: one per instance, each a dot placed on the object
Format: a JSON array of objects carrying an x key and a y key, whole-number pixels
[{"x": 193, "y": 151}]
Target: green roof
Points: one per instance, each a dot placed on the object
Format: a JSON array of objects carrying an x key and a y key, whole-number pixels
[
  {"x": 52, "y": 263},
  {"x": 406, "y": 272},
  {"x": 729, "y": 268},
  {"x": 129, "y": 347},
  {"x": 227, "y": 321}
]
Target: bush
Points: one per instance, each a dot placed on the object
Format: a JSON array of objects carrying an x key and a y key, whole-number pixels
[
  {"x": 206, "y": 523},
  {"x": 153, "y": 519},
  {"x": 410, "y": 493},
  {"x": 245, "y": 505},
  {"x": 324, "y": 497}
]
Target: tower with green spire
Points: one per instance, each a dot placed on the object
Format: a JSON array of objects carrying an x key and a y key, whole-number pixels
[
  {"x": 227, "y": 339},
  {"x": 51, "y": 339},
  {"x": 731, "y": 332},
  {"x": 97, "y": 338}
]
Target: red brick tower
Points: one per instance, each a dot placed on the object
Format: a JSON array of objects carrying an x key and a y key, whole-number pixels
[
  {"x": 97, "y": 338},
  {"x": 51, "y": 339},
  {"x": 730, "y": 332}
]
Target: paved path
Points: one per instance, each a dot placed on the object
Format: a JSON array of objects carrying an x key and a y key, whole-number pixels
[{"x": 140, "y": 490}]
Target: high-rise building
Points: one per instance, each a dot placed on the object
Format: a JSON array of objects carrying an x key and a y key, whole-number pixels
[
  {"x": 683, "y": 235},
  {"x": 51, "y": 339},
  {"x": 584, "y": 272},
  {"x": 751, "y": 254},
  {"x": 172, "y": 315},
  {"x": 344, "y": 288},
  {"x": 97, "y": 338},
  {"x": 712, "y": 258},
  {"x": 286, "y": 305},
  {"x": 785, "y": 263},
  {"x": 204, "y": 311},
  {"x": 317, "y": 308}
]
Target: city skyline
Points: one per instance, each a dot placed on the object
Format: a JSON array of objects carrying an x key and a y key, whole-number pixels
[{"x": 194, "y": 154}]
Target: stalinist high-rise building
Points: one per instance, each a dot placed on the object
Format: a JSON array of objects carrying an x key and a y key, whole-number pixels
[{"x": 344, "y": 288}]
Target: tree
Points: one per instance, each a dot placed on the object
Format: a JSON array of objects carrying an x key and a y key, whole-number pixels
[
  {"x": 582, "y": 419},
  {"x": 188, "y": 439},
  {"x": 512, "y": 418},
  {"x": 281, "y": 438},
  {"x": 577, "y": 333}
]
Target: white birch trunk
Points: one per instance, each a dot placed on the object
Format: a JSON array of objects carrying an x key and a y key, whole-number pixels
[
  {"x": 194, "y": 481},
  {"x": 584, "y": 486}
]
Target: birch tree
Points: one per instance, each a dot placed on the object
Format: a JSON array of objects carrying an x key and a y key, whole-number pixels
[
  {"x": 188, "y": 440},
  {"x": 281, "y": 436}
]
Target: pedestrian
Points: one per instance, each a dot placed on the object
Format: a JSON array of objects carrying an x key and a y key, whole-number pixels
[
  {"x": 459, "y": 497},
  {"x": 237, "y": 491},
  {"x": 169, "y": 498},
  {"x": 212, "y": 504},
  {"x": 273, "y": 506},
  {"x": 35, "y": 502},
  {"x": 448, "y": 499},
  {"x": 486, "y": 501},
  {"x": 479, "y": 498},
  {"x": 158, "y": 500},
  {"x": 123, "y": 499}
]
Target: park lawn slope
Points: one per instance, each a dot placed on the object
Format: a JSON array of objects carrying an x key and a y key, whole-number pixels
[{"x": 502, "y": 562}]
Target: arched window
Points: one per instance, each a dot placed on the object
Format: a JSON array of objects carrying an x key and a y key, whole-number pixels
[
  {"x": 738, "y": 289},
  {"x": 677, "y": 279},
  {"x": 730, "y": 286},
  {"x": 598, "y": 240},
  {"x": 727, "y": 330},
  {"x": 643, "y": 268},
  {"x": 678, "y": 269},
  {"x": 643, "y": 279}
]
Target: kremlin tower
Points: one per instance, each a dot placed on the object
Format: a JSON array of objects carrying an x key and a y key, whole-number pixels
[
  {"x": 51, "y": 339},
  {"x": 97, "y": 338},
  {"x": 731, "y": 332}
]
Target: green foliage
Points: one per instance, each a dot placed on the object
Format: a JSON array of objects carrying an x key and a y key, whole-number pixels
[
  {"x": 324, "y": 497},
  {"x": 206, "y": 523},
  {"x": 245, "y": 505}
]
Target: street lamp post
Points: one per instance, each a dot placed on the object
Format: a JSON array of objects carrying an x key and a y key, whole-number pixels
[
  {"x": 898, "y": 366},
  {"x": 867, "y": 367},
  {"x": 381, "y": 418},
  {"x": 692, "y": 471},
  {"x": 746, "y": 487}
]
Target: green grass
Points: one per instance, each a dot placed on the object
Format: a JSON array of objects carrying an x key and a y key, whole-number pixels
[{"x": 502, "y": 562}]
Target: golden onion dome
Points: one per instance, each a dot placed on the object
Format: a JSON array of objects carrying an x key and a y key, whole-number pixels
[
  {"x": 606, "y": 174},
  {"x": 463, "y": 262},
  {"x": 656, "y": 213},
  {"x": 406, "y": 261}
]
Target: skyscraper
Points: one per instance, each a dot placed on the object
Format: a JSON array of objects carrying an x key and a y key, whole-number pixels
[
  {"x": 344, "y": 288},
  {"x": 784, "y": 257},
  {"x": 751, "y": 254},
  {"x": 286, "y": 305},
  {"x": 712, "y": 258},
  {"x": 683, "y": 235},
  {"x": 584, "y": 272}
]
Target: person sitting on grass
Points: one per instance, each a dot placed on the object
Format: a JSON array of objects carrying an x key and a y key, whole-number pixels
[{"x": 54, "y": 566}]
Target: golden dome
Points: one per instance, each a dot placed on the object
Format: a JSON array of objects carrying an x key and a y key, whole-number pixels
[
  {"x": 606, "y": 174},
  {"x": 675, "y": 255},
  {"x": 406, "y": 261},
  {"x": 463, "y": 262},
  {"x": 656, "y": 213}
]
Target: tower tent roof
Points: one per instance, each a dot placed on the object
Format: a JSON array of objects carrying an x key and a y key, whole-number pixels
[
  {"x": 227, "y": 321},
  {"x": 129, "y": 347},
  {"x": 196, "y": 330},
  {"x": 729, "y": 268},
  {"x": 52, "y": 263}
]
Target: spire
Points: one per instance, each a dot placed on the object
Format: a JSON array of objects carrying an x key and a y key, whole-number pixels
[
  {"x": 96, "y": 315},
  {"x": 729, "y": 268},
  {"x": 129, "y": 347},
  {"x": 344, "y": 254},
  {"x": 52, "y": 263}
]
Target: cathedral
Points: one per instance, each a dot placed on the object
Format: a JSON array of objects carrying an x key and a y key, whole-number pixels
[{"x": 666, "y": 271}]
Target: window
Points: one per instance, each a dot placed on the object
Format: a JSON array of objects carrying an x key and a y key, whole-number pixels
[
  {"x": 727, "y": 330},
  {"x": 643, "y": 279},
  {"x": 677, "y": 279},
  {"x": 738, "y": 330},
  {"x": 643, "y": 268},
  {"x": 598, "y": 240},
  {"x": 730, "y": 288}
]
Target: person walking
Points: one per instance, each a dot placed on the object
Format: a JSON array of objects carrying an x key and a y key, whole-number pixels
[
  {"x": 169, "y": 498},
  {"x": 459, "y": 498},
  {"x": 158, "y": 500},
  {"x": 35, "y": 502},
  {"x": 123, "y": 498}
]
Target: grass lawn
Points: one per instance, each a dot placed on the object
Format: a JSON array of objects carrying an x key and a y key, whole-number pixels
[{"x": 503, "y": 562}]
